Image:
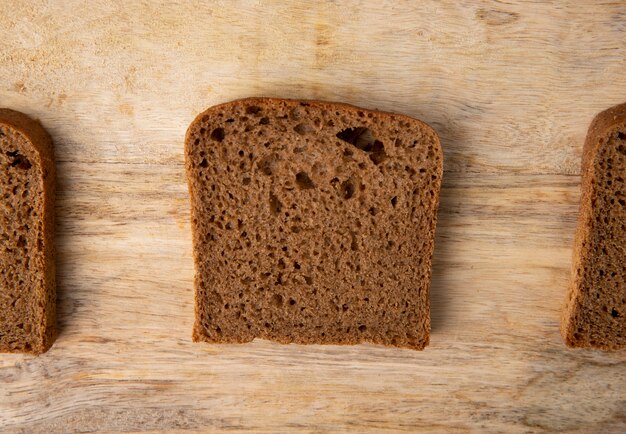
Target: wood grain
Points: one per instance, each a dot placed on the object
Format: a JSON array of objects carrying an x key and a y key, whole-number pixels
[{"x": 510, "y": 86}]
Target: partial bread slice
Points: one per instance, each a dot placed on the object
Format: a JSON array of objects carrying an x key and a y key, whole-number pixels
[
  {"x": 595, "y": 311},
  {"x": 27, "y": 283},
  {"x": 313, "y": 222}
]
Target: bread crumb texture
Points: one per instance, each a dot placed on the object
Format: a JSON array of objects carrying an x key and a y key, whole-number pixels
[
  {"x": 595, "y": 315},
  {"x": 312, "y": 223},
  {"x": 27, "y": 281}
]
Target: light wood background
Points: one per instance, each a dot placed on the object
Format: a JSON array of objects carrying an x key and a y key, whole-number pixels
[{"x": 511, "y": 87}]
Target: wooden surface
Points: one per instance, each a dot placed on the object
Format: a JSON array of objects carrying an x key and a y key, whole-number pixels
[{"x": 511, "y": 88}]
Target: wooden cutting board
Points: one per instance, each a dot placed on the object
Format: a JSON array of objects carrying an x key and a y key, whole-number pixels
[{"x": 511, "y": 88}]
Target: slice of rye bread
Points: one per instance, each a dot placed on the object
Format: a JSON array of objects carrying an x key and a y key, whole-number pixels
[
  {"x": 595, "y": 311},
  {"x": 313, "y": 222},
  {"x": 27, "y": 283}
]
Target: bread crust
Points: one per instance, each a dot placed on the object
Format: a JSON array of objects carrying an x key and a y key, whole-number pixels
[
  {"x": 604, "y": 124},
  {"x": 41, "y": 143}
]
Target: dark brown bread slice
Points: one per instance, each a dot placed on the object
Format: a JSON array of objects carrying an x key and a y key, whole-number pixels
[
  {"x": 312, "y": 222},
  {"x": 595, "y": 311},
  {"x": 27, "y": 283}
]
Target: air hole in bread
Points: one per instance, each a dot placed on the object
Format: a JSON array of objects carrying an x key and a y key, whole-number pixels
[
  {"x": 275, "y": 205},
  {"x": 253, "y": 109},
  {"x": 277, "y": 300},
  {"x": 347, "y": 189},
  {"x": 363, "y": 139},
  {"x": 218, "y": 134},
  {"x": 378, "y": 155},
  {"x": 18, "y": 160},
  {"x": 304, "y": 129},
  {"x": 354, "y": 245},
  {"x": 279, "y": 279},
  {"x": 21, "y": 241},
  {"x": 303, "y": 181},
  {"x": 267, "y": 164}
]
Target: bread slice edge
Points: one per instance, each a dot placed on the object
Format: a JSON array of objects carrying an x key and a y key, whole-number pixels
[
  {"x": 603, "y": 124},
  {"x": 41, "y": 142}
]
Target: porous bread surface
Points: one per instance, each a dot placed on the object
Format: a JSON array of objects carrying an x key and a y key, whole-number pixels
[
  {"x": 312, "y": 222},
  {"x": 595, "y": 311},
  {"x": 27, "y": 281}
]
